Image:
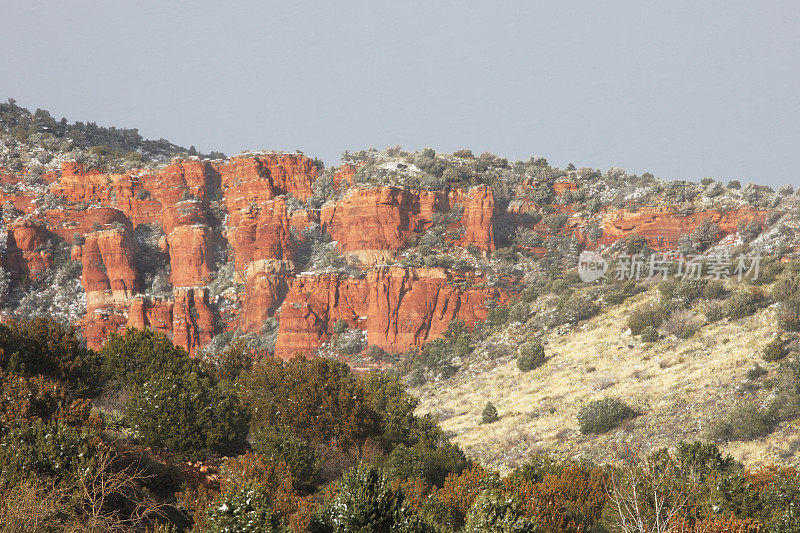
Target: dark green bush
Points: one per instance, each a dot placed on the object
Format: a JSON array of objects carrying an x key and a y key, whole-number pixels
[
  {"x": 531, "y": 355},
  {"x": 618, "y": 293},
  {"x": 489, "y": 414},
  {"x": 646, "y": 315},
  {"x": 187, "y": 414},
  {"x": 230, "y": 363},
  {"x": 143, "y": 354},
  {"x": 42, "y": 346},
  {"x": 714, "y": 289},
  {"x": 493, "y": 512},
  {"x": 741, "y": 304},
  {"x": 555, "y": 221},
  {"x": 677, "y": 293},
  {"x": 755, "y": 372},
  {"x": 51, "y": 448},
  {"x": 437, "y": 358},
  {"x": 599, "y": 416},
  {"x": 745, "y": 421},
  {"x": 245, "y": 508},
  {"x": 433, "y": 463},
  {"x": 649, "y": 334},
  {"x": 714, "y": 311},
  {"x": 282, "y": 445},
  {"x": 575, "y": 308},
  {"x": 789, "y": 314},
  {"x": 786, "y": 286},
  {"x": 366, "y": 502},
  {"x": 774, "y": 350},
  {"x": 696, "y": 461}
]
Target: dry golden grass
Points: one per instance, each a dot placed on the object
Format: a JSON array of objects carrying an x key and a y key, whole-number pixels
[{"x": 680, "y": 387}]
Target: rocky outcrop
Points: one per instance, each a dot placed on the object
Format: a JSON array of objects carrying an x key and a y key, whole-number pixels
[
  {"x": 110, "y": 276},
  {"x": 190, "y": 255},
  {"x": 381, "y": 218},
  {"x": 198, "y": 205},
  {"x": 196, "y": 247},
  {"x": 266, "y": 285},
  {"x": 192, "y": 319},
  {"x": 28, "y": 253},
  {"x": 397, "y": 307},
  {"x": 662, "y": 228},
  {"x": 386, "y": 218},
  {"x": 259, "y": 231},
  {"x": 478, "y": 218}
]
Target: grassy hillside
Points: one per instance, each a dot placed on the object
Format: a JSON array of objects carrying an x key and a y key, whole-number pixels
[{"x": 681, "y": 387}]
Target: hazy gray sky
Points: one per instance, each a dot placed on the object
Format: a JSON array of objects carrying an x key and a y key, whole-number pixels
[{"x": 683, "y": 89}]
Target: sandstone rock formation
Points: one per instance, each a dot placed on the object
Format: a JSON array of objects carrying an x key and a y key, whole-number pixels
[{"x": 200, "y": 247}]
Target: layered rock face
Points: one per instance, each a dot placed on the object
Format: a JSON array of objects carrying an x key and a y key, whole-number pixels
[
  {"x": 385, "y": 218},
  {"x": 397, "y": 307},
  {"x": 26, "y": 249},
  {"x": 197, "y": 248},
  {"x": 662, "y": 228},
  {"x": 197, "y": 226}
]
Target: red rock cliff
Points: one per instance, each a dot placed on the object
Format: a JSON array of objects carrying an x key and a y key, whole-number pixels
[{"x": 397, "y": 307}]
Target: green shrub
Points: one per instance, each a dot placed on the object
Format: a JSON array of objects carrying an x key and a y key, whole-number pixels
[
  {"x": 697, "y": 461},
  {"x": 741, "y": 304},
  {"x": 743, "y": 422},
  {"x": 774, "y": 350},
  {"x": 618, "y": 293},
  {"x": 489, "y": 414},
  {"x": 786, "y": 286},
  {"x": 246, "y": 508},
  {"x": 187, "y": 414},
  {"x": 646, "y": 315},
  {"x": 230, "y": 363},
  {"x": 42, "y": 346},
  {"x": 531, "y": 355},
  {"x": 714, "y": 311},
  {"x": 789, "y": 314},
  {"x": 555, "y": 221},
  {"x": 436, "y": 358},
  {"x": 755, "y": 372},
  {"x": 649, "y": 334},
  {"x": 282, "y": 445},
  {"x": 599, "y": 416},
  {"x": 714, "y": 289},
  {"x": 47, "y": 448},
  {"x": 350, "y": 342},
  {"x": 677, "y": 293},
  {"x": 493, "y": 512},
  {"x": 366, "y": 502},
  {"x": 141, "y": 355},
  {"x": 575, "y": 308},
  {"x": 425, "y": 460}
]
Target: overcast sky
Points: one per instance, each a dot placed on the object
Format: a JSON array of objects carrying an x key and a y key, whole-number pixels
[{"x": 683, "y": 89}]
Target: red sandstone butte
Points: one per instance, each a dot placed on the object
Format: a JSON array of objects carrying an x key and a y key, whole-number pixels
[
  {"x": 398, "y": 307},
  {"x": 231, "y": 236},
  {"x": 662, "y": 228}
]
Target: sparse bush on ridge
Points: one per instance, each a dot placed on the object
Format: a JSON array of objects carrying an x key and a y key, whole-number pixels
[
  {"x": 649, "y": 334},
  {"x": 531, "y": 355},
  {"x": 742, "y": 303},
  {"x": 680, "y": 324},
  {"x": 599, "y": 416},
  {"x": 489, "y": 414},
  {"x": 745, "y": 421},
  {"x": 646, "y": 315},
  {"x": 774, "y": 350}
]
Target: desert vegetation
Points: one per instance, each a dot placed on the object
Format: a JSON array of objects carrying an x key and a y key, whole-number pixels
[{"x": 88, "y": 443}]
